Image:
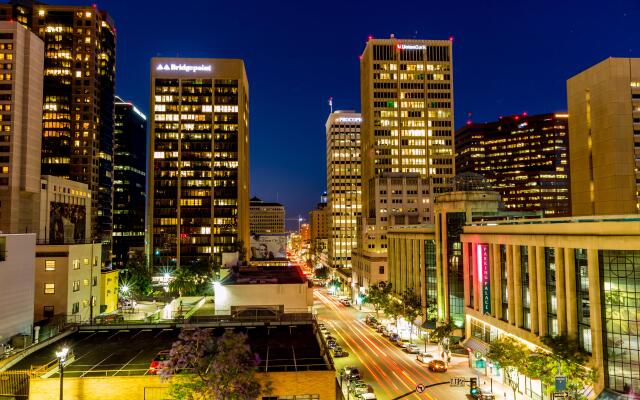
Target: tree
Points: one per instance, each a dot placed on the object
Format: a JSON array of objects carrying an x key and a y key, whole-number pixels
[
  {"x": 321, "y": 272},
  {"x": 432, "y": 312},
  {"x": 412, "y": 307},
  {"x": 183, "y": 282},
  {"x": 378, "y": 296},
  {"x": 566, "y": 355},
  {"x": 393, "y": 309},
  {"x": 442, "y": 333},
  {"x": 136, "y": 276},
  {"x": 511, "y": 355},
  {"x": 217, "y": 368}
]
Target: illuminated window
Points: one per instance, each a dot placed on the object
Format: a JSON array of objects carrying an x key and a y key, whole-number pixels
[
  {"x": 50, "y": 265},
  {"x": 49, "y": 288},
  {"x": 76, "y": 264}
]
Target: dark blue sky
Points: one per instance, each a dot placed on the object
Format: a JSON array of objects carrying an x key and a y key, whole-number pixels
[{"x": 509, "y": 57}]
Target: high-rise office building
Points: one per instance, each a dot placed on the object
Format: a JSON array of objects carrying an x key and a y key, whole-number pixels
[
  {"x": 21, "y": 65},
  {"x": 319, "y": 227},
  {"x": 525, "y": 158},
  {"x": 129, "y": 181},
  {"x": 198, "y": 202},
  {"x": 79, "y": 84},
  {"x": 265, "y": 217},
  {"x": 407, "y": 111},
  {"x": 343, "y": 185},
  {"x": 604, "y": 133}
]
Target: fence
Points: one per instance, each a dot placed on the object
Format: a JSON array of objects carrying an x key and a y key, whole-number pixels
[{"x": 15, "y": 384}]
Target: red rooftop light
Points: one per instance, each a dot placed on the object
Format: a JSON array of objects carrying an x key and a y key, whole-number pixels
[
  {"x": 370, "y": 37},
  {"x": 517, "y": 117},
  {"x": 451, "y": 38},
  {"x": 525, "y": 113}
]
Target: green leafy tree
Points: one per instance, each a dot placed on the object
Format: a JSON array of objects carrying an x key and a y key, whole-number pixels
[
  {"x": 136, "y": 276},
  {"x": 201, "y": 366},
  {"x": 412, "y": 308},
  {"x": 183, "y": 282},
  {"x": 442, "y": 332},
  {"x": 378, "y": 296},
  {"x": 511, "y": 355},
  {"x": 393, "y": 309},
  {"x": 321, "y": 272},
  {"x": 432, "y": 312},
  {"x": 567, "y": 358}
]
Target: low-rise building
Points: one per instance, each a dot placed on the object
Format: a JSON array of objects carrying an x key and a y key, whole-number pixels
[
  {"x": 17, "y": 275},
  {"x": 369, "y": 268},
  {"x": 274, "y": 289},
  {"x": 109, "y": 290},
  {"x": 577, "y": 277},
  {"x": 65, "y": 211},
  {"x": 67, "y": 281}
]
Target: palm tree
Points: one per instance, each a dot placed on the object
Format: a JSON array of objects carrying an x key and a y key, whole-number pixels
[{"x": 183, "y": 282}]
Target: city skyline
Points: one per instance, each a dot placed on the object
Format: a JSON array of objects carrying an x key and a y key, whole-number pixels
[{"x": 510, "y": 58}]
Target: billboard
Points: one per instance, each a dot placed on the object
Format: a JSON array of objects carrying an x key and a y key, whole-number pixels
[
  {"x": 269, "y": 247},
  {"x": 67, "y": 222}
]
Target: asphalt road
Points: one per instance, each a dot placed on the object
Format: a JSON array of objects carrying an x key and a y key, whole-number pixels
[{"x": 390, "y": 371}]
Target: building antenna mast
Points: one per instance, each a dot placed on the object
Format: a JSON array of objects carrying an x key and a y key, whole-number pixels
[{"x": 331, "y": 105}]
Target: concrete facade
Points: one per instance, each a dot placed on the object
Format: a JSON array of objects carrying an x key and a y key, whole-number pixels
[
  {"x": 198, "y": 183},
  {"x": 577, "y": 277},
  {"x": 17, "y": 276},
  {"x": 407, "y": 108},
  {"x": 151, "y": 387},
  {"x": 344, "y": 186},
  {"x": 369, "y": 268},
  {"x": 67, "y": 281},
  {"x": 65, "y": 211},
  {"x": 266, "y": 217},
  {"x": 604, "y": 113},
  {"x": 109, "y": 290},
  {"x": 20, "y": 127}
]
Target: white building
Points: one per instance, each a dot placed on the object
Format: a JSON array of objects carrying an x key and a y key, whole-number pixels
[
  {"x": 276, "y": 290},
  {"x": 17, "y": 266}
]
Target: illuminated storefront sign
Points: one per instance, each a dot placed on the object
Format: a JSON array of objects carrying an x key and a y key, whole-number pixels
[
  {"x": 349, "y": 119},
  {"x": 184, "y": 67},
  {"x": 482, "y": 259},
  {"x": 412, "y": 47}
]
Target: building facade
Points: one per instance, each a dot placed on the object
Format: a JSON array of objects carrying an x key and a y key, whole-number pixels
[
  {"x": 67, "y": 281},
  {"x": 21, "y": 68},
  {"x": 319, "y": 228},
  {"x": 266, "y": 217},
  {"x": 79, "y": 84},
  {"x": 17, "y": 277},
  {"x": 109, "y": 290},
  {"x": 65, "y": 211},
  {"x": 344, "y": 183},
  {"x": 198, "y": 202},
  {"x": 407, "y": 111},
  {"x": 525, "y": 158},
  {"x": 578, "y": 277},
  {"x": 604, "y": 113},
  {"x": 129, "y": 181}
]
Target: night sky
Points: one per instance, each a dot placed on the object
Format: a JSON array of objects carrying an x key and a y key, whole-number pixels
[{"x": 509, "y": 57}]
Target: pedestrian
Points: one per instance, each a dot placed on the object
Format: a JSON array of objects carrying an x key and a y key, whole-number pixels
[{"x": 505, "y": 395}]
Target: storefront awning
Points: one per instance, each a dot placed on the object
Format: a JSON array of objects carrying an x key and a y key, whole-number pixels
[{"x": 476, "y": 345}]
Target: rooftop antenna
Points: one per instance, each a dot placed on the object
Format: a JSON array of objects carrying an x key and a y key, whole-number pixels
[{"x": 331, "y": 105}]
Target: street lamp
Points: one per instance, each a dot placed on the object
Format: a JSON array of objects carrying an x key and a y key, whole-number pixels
[{"x": 62, "y": 357}]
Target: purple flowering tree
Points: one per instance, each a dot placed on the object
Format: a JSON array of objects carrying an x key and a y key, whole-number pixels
[{"x": 202, "y": 366}]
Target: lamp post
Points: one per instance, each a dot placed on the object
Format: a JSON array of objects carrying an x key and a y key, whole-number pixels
[{"x": 62, "y": 357}]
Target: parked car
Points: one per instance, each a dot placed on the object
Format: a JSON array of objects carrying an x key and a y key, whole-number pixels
[
  {"x": 159, "y": 361},
  {"x": 411, "y": 348},
  {"x": 351, "y": 373},
  {"x": 424, "y": 357},
  {"x": 358, "y": 383},
  {"x": 338, "y": 352},
  {"x": 345, "y": 302},
  {"x": 380, "y": 328},
  {"x": 437, "y": 366},
  {"x": 332, "y": 343},
  {"x": 360, "y": 388},
  {"x": 366, "y": 396},
  {"x": 329, "y": 337},
  {"x": 401, "y": 342},
  {"x": 371, "y": 320}
]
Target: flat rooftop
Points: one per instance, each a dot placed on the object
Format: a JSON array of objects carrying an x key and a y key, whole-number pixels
[
  {"x": 265, "y": 275},
  {"x": 124, "y": 352}
]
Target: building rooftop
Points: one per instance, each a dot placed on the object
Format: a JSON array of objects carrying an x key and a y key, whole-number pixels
[
  {"x": 255, "y": 201},
  {"x": 563, "y": 220},
  {"x": 122, "y": 352},
  {"x": 265, "y": 275}
]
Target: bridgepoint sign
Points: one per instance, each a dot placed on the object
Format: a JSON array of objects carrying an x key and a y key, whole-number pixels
[
  {"x": 349, "y": 119},
  {"x": 184, "y": 67}
]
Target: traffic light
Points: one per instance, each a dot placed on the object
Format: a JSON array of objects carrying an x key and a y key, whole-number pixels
[{"x": 474, "y": 391}]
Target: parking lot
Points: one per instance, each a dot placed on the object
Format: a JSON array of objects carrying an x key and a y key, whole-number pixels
[{"x": 130, "y": 351}]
